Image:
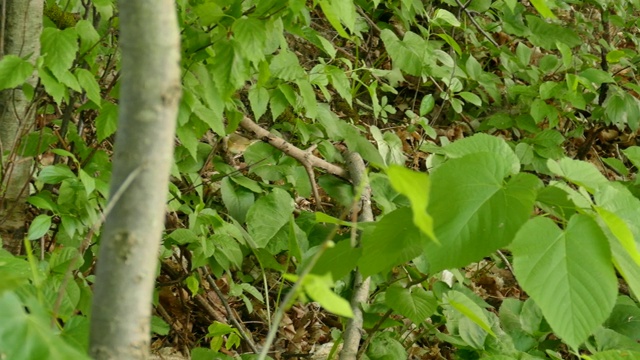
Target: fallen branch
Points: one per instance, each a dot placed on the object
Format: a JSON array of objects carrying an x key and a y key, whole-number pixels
[
  {"x": 245, "y": 335},
  {"x": 304, "y": 157}
]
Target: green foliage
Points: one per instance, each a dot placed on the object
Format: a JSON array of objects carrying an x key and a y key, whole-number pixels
[
  {"x": 14, "y": 71},
  {"x": 550, "y": 263},
  {"x": 31, "y": 332},
  {"x": 528, "y": 91}
]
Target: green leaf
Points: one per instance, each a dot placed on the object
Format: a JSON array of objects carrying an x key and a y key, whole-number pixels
[
  {"x": 319, "y": 289},
  {"x": 581, "y": 173},
  {"x": 620, "y": 320},
  {"x": 39, "y": 226},
  {"x": 54, "y": 174},
  {"x": 29, "y": 326},
  {"x": 385, "y": 347},
  {"x": 427, "y": 104},
  {"x": 88, "y": 182},
  {"x": 259, "y": 99},
  {"x": 416, "y": 187},
  {"x": 247, "y": 183},
  {"x": 52, "y": 86},
  {"x": 548, "y": 63},
  {"x": 15, "y": 273},
  {"x": 475, "y": 211},
  {"x": 42, "y": 200},
  {"x": 568, "y": 273},
  {"x": 237, "y": 200},
  {"x": 88, "y": 38},
  {"x": 615, "y": 56},
  {"x": 597, "y": 76},
  {"x": 615, "y": 109},
  {"x": 468, "y": 308},
  {"x": 550, "y": 89},
  {"x": 567, "y": 56},
  {"x": 633, "y": 154},
  {"x": 14, "y": 71},
  {"x": 159, "y": 326},
  {"x": 474, "y": 69},
  {"x": 619, "y": 201},
  {"x": 183, "y": 236},
  {"x": 188, "y": 139},
  {"x": 416, "y": 303},
  {"x": 409, "y": 55},
  {"x": 212, "y": 106},
  {"x": 294, "y": 244},
  {"x": 443, "y": 16},
  {"x": 394, "y": 240},
  {"x": 192, "y": 283},
  {"x": 226, "y": 250},
  {"x": 89, "y": 84},
  {"x": 310, "y": 104},
  {"x": 208, "y": 354},
  {"x": 484, "y": 143},
  {"x": 540, "y": 110},
  {"x": 615, "y": 355},
  {"x": 617, "y": 165},
  {"x": 451, "y": 43},
  {"x": 556, "y": 201},
  {"x": 621, "y": 232},
  {"x": 471, "y": 98},
  {"x": 338, "y": 189},
  {"x": 59, "y": 48},
  {"x": 356, "y": 142},
  {"x": 524, "y": 54},
  {"x": 338, "y": 260},
  {"x": 285, "y": 66},
  {"x": 389, "y": 146},
  {"x": 218, "y": 329},
  {"x": 331, "y": 13},
  {"x": 230, "y": 66},
  {"x": 542, "y": 7},
  {"x": 251, "y": 36},
  {"x": 107, "y": 120},
  {"x": 546, "y": 35},
  {"x": 511, "y": 314},
  {"x": 340, "y": 82},
  {"x": 479, "y": 5},
  {"x": 67, "y": 78},
  {"x": 268, "y": 215},
  {"x": 347, "y": 13}
]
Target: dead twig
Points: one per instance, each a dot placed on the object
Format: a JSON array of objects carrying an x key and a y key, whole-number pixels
[
  {"x": 246, "y": 336},
  {"x": 475, "y": 23}
]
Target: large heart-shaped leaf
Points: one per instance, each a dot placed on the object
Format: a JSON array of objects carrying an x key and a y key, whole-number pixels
[
  {"x": 567, "y": 273},
  {"x": 475, "y": 212},
  {"x": 268, "y": 215},
  {"x": 417, "y": 304}
]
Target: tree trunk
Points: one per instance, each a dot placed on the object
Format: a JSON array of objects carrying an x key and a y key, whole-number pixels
[
  {"x": 127, "y": 260},
  {"x": 22, "y": 29}
]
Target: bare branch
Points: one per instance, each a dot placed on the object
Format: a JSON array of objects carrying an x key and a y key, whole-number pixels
[
  {"x": 353, "y": 332},
  {"x": 304, "y": 157}
]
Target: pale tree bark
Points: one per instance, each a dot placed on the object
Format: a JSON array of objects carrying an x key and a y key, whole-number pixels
[
  {"x": 21, "y": 37},
  {"x": 353, "y": 333},
  {"x": 127, "y": 260}
]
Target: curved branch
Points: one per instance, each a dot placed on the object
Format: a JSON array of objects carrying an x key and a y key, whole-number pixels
[{"x": 304, "y": 157}]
